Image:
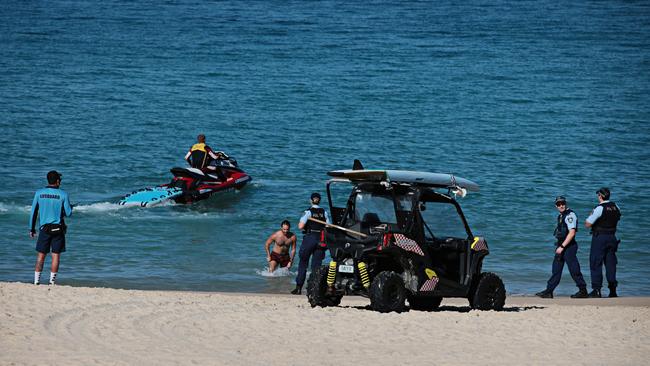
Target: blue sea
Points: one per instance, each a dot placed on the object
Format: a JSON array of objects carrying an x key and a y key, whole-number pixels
[{"x": 530, "y": 99}]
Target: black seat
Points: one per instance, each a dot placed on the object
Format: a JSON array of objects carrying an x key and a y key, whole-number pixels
[
  {"x": 369, "y": 220},
  {"x": 178, "y": 183}
]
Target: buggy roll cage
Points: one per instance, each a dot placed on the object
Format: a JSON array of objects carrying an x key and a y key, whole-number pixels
[{"x": 422, "y": 193}]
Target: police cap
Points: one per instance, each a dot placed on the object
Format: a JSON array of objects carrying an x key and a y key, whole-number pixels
[{"x": 559, "y": 199}]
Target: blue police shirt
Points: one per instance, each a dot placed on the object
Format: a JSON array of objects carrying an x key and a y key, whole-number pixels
[
  {"x": 307, "y": 215},
  {"x": 49, "y": 204},
  {"x": 571, "y": 220}
]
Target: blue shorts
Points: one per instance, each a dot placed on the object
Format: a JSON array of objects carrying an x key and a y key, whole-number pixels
[{"x": 45, "y": 241}]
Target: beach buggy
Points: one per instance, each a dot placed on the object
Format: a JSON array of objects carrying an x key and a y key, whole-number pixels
[{"x": 399, "y": 238}]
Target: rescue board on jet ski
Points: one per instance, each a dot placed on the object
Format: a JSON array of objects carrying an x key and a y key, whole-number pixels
[
  {"x": 438, "y": 180},
  {"x": 150, "y": 196},
  {"x": 191, "y": 185}
]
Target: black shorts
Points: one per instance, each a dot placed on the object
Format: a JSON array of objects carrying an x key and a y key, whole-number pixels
[{"x": 46, "y": 241}]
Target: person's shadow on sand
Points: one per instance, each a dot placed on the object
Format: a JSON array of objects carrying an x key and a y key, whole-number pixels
[{"x": 458, "y": 309}]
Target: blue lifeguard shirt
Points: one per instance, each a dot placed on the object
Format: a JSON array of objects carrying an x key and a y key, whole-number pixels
[{"x": 50, "y": 205}]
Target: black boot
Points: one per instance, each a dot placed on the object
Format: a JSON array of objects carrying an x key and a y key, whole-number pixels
[
  {"x": 612, "y": 291},
  {"x": 297, "y": 290},
  {"x": 546, "y": 294},
  {"x": 595, "y": 293},
  {"x": 581, "y": 294}
]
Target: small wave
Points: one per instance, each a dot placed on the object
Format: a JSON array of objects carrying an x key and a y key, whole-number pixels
[
  {"x": 8, "y": 208},
  {"x": 280, "y": 272},
  {"x": 98, "y": 207}
]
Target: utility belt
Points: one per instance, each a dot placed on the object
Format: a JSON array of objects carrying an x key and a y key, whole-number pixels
[
  {"x": 603, "y": 232},
  {"x": 321, "y": 241},
  {"x": 54, "y": 229}
]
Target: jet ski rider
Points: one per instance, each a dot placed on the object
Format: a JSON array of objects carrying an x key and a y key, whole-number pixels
[{"x": 200, "y": 156}]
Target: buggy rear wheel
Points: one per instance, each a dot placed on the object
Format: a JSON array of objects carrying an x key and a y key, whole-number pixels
[
  {"x": 387, "y": 292},
  {"x": 317, "y": 289},
  {"x": 489, "y": 293}
]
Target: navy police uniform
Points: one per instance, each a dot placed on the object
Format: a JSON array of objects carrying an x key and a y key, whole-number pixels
[
  {"x": 310, "y": 246},
  {"x": 604, "y": 244},
  {"x": 566, "y": 221}
]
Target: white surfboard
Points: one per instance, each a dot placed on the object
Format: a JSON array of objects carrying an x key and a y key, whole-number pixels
[{"x": 438, "y": 180}]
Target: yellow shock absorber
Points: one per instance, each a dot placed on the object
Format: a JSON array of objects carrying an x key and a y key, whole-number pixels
[
  {"x": 331, "y": 274},
  {"x": 363, "y": 272}
]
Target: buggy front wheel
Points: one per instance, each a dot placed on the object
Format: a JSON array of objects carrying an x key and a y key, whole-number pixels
[
  {"x": 387, "y": 292},
  {"x": 317, "y": 289}
]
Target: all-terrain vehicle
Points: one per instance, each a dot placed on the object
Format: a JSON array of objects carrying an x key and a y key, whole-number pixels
[{"x": 400, "y": 238}]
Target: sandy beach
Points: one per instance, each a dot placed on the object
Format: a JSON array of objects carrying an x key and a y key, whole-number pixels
[{"x": 61, "y": 325}]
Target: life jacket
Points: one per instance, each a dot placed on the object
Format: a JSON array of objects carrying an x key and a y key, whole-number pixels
[
  {"x": 312, "y": 226},
  {"x": 199, "y": 157},
  {"x": 607, "y": 222},
  {"x": 562, "y": 230}
]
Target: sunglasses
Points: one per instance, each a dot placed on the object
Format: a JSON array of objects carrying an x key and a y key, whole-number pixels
[{"x": 560, "y": 204}]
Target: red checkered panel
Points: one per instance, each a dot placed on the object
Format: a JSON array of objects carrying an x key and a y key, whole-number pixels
[
  {"x": 481, "y": 244},
  {"x": 429, "y": 285},
  {"x": 407, "y": 244}
]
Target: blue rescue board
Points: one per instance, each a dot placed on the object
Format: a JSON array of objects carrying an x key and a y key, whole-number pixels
[{"x": 150, "y": 196}]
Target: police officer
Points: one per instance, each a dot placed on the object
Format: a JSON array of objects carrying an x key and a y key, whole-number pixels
[
  {"x": 604, "y": 244},
  {"x": 310, "y": 240},
  {"x": 50, "y": 205},
  {"x": 566, "y": 249}
]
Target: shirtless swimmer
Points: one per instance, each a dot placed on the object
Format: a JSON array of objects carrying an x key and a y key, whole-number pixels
[{"x": 284, "y": 241}]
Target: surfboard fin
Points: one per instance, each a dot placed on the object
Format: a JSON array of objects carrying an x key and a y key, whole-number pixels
[{"x": 357, "y": 165}]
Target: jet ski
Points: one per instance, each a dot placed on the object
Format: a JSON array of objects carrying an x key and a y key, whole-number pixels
[{"x": 192, "y": 185}]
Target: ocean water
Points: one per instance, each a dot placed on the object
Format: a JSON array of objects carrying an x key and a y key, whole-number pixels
[{"x": 530, "y": 99}]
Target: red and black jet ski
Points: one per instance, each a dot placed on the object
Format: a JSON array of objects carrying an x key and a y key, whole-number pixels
[{"x": 191, "y": 184}]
